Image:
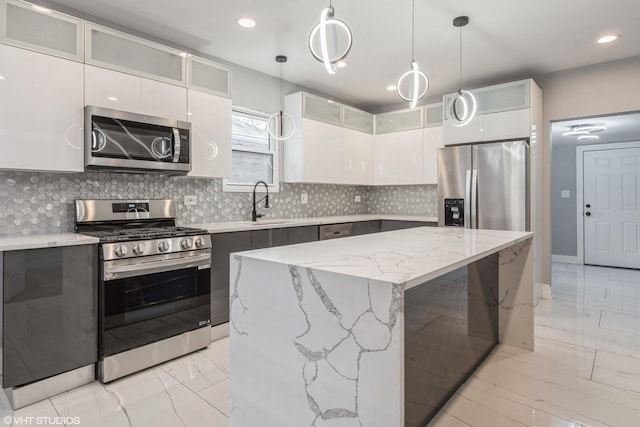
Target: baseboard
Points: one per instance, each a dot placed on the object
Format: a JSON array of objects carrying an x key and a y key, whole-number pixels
[
  {"x": 547, "y": 291},
  {"x": 219, "y": 331},
  {"x": 565, "y": 259}
]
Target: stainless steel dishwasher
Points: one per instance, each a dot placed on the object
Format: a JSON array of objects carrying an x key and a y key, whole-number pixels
[{"x": 335, "y": 231}]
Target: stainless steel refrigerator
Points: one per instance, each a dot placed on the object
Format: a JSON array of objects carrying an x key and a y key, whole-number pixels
[{"x": 484, "y": 186}]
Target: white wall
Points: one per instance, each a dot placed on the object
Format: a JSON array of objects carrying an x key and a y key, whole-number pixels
[{"x": 611, "y": 87}]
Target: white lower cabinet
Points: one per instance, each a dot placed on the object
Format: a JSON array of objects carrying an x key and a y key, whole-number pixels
[
  {"x": 314, "y": 153},
  {"x": 410, "y": 157},
  {"x": 126, "y": 92},
  {"x": 433, "y": 139},
  {"x": 210, "y": 118},
  {"x": 385, "y": 159},
  {"x": 41, "y": 111},
  {"x": 357, "y": 157}
]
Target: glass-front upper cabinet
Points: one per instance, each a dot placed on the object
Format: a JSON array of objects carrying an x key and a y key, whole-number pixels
[
  {"x": 208, "y": 76},
  {"x": 400, "y": 120},
  {"x": 357, "y": 119},
  {"x": 433, "y": 115},
  {"x": 119, "y": 51},
  {"x": 321, "y": 109},
  {"x": 38, "y": 28},
  {"x": 498, "y": 98}
]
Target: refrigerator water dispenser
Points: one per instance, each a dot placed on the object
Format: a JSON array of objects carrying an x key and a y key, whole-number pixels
[{"x": 454, "y": 212}]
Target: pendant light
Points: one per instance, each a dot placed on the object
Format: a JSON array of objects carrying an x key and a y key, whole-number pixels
[
  {"x": 318, "y": 35},
  {"x": 279, "y": 121},
  {"x": 414, "y": 76},
  {"x": 462, "y": 107}
]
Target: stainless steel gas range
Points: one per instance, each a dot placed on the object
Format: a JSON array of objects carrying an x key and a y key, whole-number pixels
[{"x": 154, "y": 283}]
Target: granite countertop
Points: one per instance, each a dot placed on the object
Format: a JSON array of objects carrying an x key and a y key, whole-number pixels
[
  {"x": 410, "y": 257},
  {"x": 225, "y": 227},
  {"x": 14, "y": 243}
]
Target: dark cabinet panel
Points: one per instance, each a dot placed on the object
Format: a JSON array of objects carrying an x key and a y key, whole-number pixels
[
  {"x": 302, "y": 234},
  {"x": 425, "y": 224},
  {"x": 366, "y": 227},
  {"x": 268, "y": 238},
  {"x": 50, "y": 306},
  {"x": 224, "y": 244},
  {"x": 390, "y": 225}
]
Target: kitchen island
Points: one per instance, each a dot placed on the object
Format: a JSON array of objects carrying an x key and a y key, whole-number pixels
[{"x": 374, "y": 330}]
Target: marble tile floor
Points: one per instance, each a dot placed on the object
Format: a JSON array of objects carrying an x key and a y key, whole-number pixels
[{"x": 585, "y": 371}]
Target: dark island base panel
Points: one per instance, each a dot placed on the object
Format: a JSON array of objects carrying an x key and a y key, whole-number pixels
[{"x": 442, "y": 346}]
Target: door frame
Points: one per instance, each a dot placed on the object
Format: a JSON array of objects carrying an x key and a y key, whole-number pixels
[{"x": 580, "y": 185}]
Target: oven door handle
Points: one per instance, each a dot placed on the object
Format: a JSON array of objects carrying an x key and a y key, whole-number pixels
[{"x": 123, "y": 271}]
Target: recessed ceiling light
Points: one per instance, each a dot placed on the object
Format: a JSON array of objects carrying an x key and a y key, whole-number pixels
[
  {"x": 341, "y": 64},
  {"x": 112, "y": 98},
  {"x": 1, "y": 77},
  {"x": 608, "y": 38},
  {"x": 392, "y": 87},
  {"x": 189, "y": 113},
  {"x": 246, "y": 22},
  {"x": 588, "y": 138},
  {"x": 330, "y": 101},
  {"x": 41, "y": 9}
]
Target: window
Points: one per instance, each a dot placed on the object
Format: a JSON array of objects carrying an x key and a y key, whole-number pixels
[{"x": 254, "y": 154}]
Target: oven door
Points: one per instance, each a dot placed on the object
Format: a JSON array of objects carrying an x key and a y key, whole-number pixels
[{"x": 148, "y": 299}]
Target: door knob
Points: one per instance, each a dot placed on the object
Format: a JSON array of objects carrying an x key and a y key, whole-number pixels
[
  {"x": 588, "y": 214},
  {"x": 588, "y": 205}
]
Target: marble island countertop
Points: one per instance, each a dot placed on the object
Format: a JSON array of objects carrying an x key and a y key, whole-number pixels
[
  {"x": 226, "y": 227},
  {"x": 409, "y": 257}
]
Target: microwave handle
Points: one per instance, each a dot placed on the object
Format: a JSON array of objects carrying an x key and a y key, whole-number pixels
[{"x": 176, "y": 145}]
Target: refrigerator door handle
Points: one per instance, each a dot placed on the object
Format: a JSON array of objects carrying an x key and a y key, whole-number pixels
[
  {"x": 474, "y": 199},
  {"x": 467, "y": 201}
]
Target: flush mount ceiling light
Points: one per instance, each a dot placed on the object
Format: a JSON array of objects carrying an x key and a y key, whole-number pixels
[
  {"x": 246, "y": 22},
  {"x": 280, "y": 125},
  {"x": 330, "y": 31},
  {"x": 582, "y": 130},
  {"x": 417, "y": 82},
  {"x": 608, "y": 38},
  {"x": 462, "y": 107},
  {"x": 588, "y": 137}
]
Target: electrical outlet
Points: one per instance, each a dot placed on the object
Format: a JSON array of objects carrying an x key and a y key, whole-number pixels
[
  {"x": 357, "y": 199},
  {"x": 565, "y": 194},
  {"x": 304, "y": 198},
  {"x": 190, "y": 200}
]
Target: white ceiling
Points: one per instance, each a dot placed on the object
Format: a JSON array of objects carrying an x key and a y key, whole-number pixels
[{"x": 505, "y": 39}]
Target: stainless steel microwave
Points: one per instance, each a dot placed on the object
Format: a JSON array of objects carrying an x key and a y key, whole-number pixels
[{"x": 133, "y": 142}]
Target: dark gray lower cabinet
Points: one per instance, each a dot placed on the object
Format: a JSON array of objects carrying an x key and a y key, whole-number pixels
[
  {"x": 270, "y": 238},
  {"x": 50, "y": 308},
  {"x": 390, "y": 225},
  {"x": 222, "y": 245},
  {"x": 302, "y": 234},
  {"x": 365, "y": 227}
]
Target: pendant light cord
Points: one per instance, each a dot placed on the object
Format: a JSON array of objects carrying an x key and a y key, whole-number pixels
[
  {"x": 413, "y": 35},
  {"x": 460, "y": 38}
]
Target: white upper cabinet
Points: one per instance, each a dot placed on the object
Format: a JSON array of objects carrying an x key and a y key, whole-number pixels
[
  {"x": 41, "y": 112},
  {"x": 46, "y": 31},
  {"x": 208, "y": 76},
  {"x": 503, "y": 112},
  {"x": 433, "y": 139},
  {"x": 401, "y": 120},
  {"x": 357, "y": 157},
  {"x": 121, "y": 91},
  {"x": 163, "y": 99},
  {"x": 123, "y": 52},
  {"x": 321, "y": 152},
  {"x": 410, "y": 157},
  {"x": 112, "y": 89},
  {"x": 210, "y": 118},
  {"x": 385, "y": 159}
]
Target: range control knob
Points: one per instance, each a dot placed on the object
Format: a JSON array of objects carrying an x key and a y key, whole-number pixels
[
  {"x": 163, "y": 246},
  {"x": 120, "y": 251},
  {"x": 186, "y": 243},
  {"x": 138, "y": 248},
  {"x": 199, "y": 242}
]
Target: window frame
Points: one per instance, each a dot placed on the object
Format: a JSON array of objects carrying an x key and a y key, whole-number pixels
[{"x": 273, "y": 143}]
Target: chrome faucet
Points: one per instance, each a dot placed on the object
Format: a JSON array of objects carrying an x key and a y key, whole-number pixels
[{"x": 254, "y": 214}]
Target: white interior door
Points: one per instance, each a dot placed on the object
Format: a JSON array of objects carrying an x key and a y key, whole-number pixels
[{"x": 612, "y": 207}]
